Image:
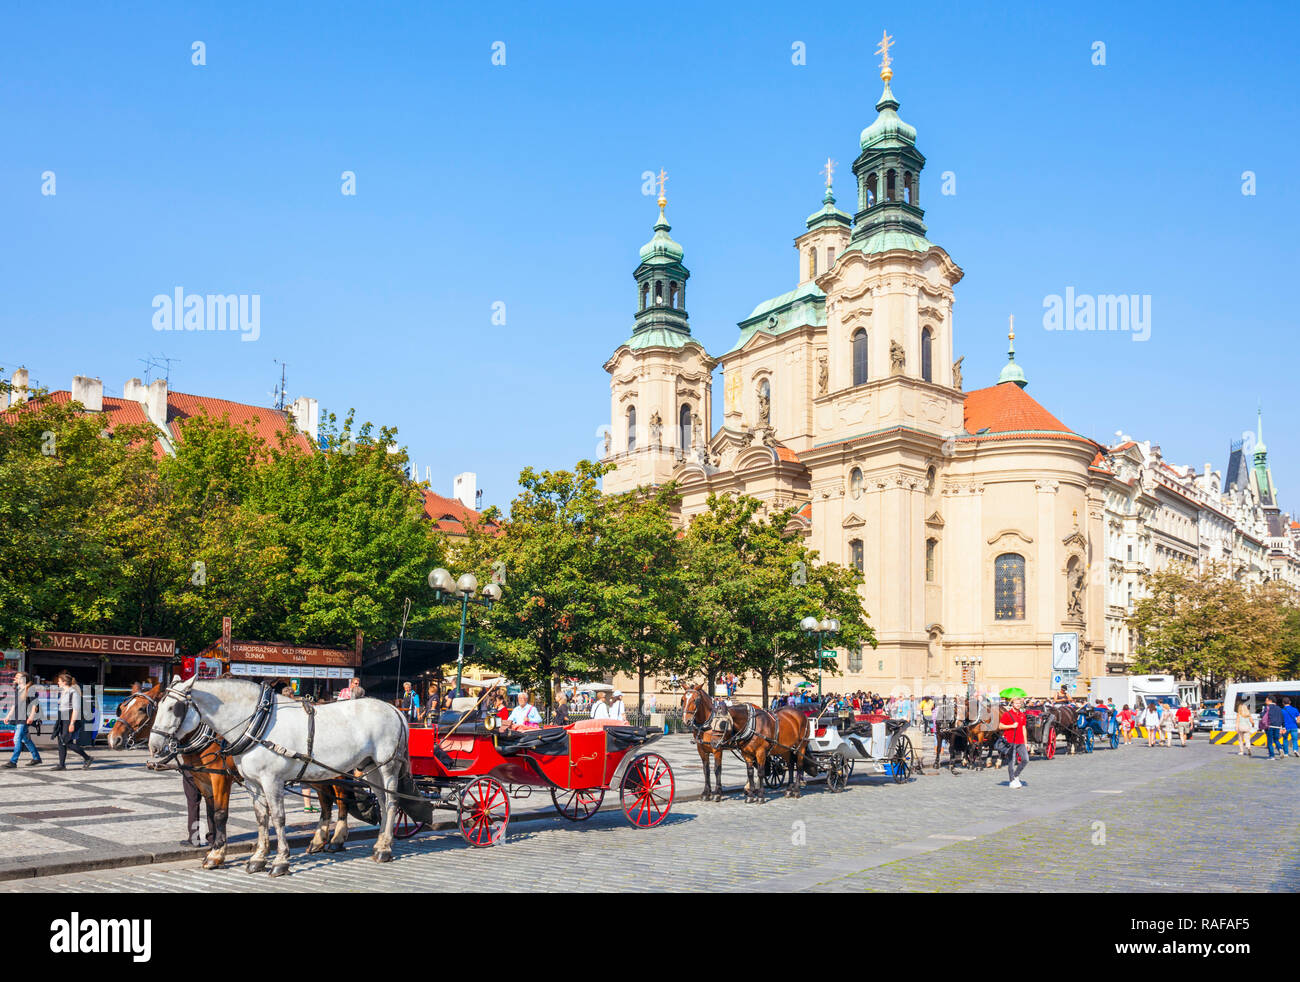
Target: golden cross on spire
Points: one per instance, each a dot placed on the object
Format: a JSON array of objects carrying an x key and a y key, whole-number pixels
[
  {"x": 663, "y": 177},
  {"x": 829, "y": 170},
  {"x": 886, "y": 42}
]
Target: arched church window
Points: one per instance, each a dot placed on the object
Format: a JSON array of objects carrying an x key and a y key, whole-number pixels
[
  {"x": 855, "y": 482},
  {"x": 1009, "y": 587},
  {"x": 907, "y": 186},
  {"x": 931, "y": 559},
  {"x": 927, "y": 365},
  {"x": 856, "y": 556},
  {"x": 684, "y": 427},
  {"x": 631, "y": 428},
  {"x": 869, "y": 190},
  {"x": 859, "y": 356},
  {"x": 812, "y": 263},
  {"x": 672, "y": 294},
  {"x": 659, "y": 293},
  {"x": 645, "y": 294},
  {"x": 891, "y": 185},
  {"x": 830, "y": 257},
  {"x": 931, "y": 476}
]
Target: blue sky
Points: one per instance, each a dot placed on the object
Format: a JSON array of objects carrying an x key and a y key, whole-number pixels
[{"x": 522, "y": 184}]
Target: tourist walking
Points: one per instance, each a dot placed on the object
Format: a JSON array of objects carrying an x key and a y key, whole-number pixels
[
  {"x": 1271, "y": 721},
  {"x": 70, "y": 722},
  {"x": 1151, "y": 720},
  {"x": 561, "y": 717},
  {"x": 22, "y": 712},
  {"x": 1127, "y": 721},
  {"x": 1245, "y": 727},
  {"x": 1012, "y": 725},
  {"x": 1183, "y": 717},
  {"x": 1290, "y": 733},
  {"x": 1167, "y": 724},
  {"x": 600, "y": 708},
  {"x": 616, "y": 708}
]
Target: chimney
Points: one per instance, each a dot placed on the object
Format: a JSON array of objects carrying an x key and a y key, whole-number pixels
[
  {"x": 152, "y": 399},
  {"x": 463, "y": 487},
  {"x": 89, "y": 392},
  {"x": 21, "y": 392},
  {"x": 306, "y": 416}
]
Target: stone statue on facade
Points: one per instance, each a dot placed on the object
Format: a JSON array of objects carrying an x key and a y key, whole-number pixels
[
  {"x": 823, "y": 374},
  {"x": 1076, "y": 586},
  {"x": 897, "y": 358},
  {"x": 956, "y": 373},
  {"x": 656, "y": 428},
  {"x": 764, "y": 407},
  {"x": 697, "y": 430},
  {"x": 609, "y": 443}
]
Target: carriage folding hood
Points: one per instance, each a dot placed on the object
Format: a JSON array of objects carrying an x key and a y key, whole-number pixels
[{"x": 1133, "y": 690}]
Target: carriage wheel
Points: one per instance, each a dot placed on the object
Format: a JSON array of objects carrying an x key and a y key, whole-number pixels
[
  {"x": 774, "y": 774},
  {"x": 1049, "y": 743},
  {"x": 1087, "y": 741},
  {"x": 1114, "y": 740},
  {"x": 484, "y": 812},
  {"x": 405, "y": 826},
  {"x": 904, "y": 760},
  {"x": 647, "y": 791},
  {"x": 837, "y": 773},
  {"x": 578, "y": 806}
]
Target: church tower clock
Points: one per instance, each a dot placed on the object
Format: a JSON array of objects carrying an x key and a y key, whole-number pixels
[{"x": 661, "y": 388}]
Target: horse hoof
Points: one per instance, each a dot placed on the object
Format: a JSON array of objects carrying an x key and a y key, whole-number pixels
[
  {"x": 314, "y": 848},
  {"x": 255, "y": 866},
  {"x": 212, "y": 864},
  {"x": 386, "y": 856},
  {"x": 336, "y": 847},
  {"x": 280, "y": 869}
]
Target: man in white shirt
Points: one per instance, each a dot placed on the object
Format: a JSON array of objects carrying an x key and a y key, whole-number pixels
[
  {"x": 600, "y": 709},
  {"x": 524, "y": 716},
  {"x": 616, "y": 710}
]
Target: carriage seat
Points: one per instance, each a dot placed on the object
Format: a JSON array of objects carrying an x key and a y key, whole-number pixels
[{"x": 892, "y": 726}]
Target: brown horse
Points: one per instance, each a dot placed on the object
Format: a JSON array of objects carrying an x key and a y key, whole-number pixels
[
  {"x": 754, "y": 734},
  {"x": 1066, "y": 718},
  {"x": 214, "y": 774},
  {"x": 970, "y": 739}
]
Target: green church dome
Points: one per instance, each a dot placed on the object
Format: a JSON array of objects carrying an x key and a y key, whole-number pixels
[{"x": 662, "y": 247}]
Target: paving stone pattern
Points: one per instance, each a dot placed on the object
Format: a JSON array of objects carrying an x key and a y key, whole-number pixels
[{"x": 1174, "y": 819}]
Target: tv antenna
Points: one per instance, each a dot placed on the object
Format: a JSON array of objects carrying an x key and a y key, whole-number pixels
[
  {"x": 279, "y": 394},
  {"x": 153, "y": 363}
]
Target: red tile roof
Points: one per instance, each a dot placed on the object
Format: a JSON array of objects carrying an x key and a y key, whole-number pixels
[
  {"x": 449, "y": 514},
  {"x": 1099, "y": 464},
  {"x": 267, "y": 423},
  {"x": 785, "y": 453},
  {"x": 1007, "y": 408}
]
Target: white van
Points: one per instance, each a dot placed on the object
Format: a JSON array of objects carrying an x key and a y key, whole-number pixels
[
  {"x": 1134, "y": 690},
  {"x": 1254, "y": 694}
]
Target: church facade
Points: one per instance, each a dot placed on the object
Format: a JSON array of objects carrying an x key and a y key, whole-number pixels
[{"x": 974, "y": 516}]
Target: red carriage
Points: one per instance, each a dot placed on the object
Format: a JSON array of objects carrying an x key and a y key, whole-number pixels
[{"x": 471, "y": 763}]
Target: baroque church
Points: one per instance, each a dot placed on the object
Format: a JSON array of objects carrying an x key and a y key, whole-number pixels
[{"x": 973, "y": 516}]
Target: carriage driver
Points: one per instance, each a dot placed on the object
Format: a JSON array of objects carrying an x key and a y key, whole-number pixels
[{"x": 524, "y": 716}]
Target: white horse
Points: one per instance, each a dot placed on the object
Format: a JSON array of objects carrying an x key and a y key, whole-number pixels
[{"x": 357, "y": 734}]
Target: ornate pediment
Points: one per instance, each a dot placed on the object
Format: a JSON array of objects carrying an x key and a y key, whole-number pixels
[
  {"x": 935, "y": 520},
  {"x": 1076, "y": 538},
  {"x": 853, "y": 522},
  {"x": 627, "y": 394}
]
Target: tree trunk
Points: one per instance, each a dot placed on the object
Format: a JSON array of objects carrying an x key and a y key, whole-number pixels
[{"x": 764, "y": 676}]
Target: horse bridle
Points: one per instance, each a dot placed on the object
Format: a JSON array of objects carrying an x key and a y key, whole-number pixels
[
  {"x": 200, "y": 738},
  {"x": 130, "y": 741}
]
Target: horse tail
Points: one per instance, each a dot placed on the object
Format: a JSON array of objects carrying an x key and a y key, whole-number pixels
[{"x": 416, "y": 806}]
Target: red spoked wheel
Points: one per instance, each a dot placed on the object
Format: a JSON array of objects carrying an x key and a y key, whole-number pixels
[
  {"x": 647, "y": 791},
  {"x": 1049, "y": 743},
  {"x": 405, "y": 826},
  {"x": 578, "y": 806},
  {"x": 484, "y": 812}
]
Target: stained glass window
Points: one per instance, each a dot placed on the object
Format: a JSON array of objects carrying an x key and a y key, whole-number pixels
[
  {"x": 1009, "y": 587},
  {"x": 855, "y": 554},
  {"x": 859, "y": 357}
]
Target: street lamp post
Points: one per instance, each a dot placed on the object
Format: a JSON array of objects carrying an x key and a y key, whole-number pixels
[
  {"x": 447, "y": 587},
  {"x": 818, "y": 629}
]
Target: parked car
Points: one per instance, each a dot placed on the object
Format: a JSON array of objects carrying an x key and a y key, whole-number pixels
[{"x": 1208, "y": 719}]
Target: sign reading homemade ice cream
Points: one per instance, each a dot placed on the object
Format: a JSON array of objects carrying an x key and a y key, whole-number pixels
[{"x": 102, "y": 644}]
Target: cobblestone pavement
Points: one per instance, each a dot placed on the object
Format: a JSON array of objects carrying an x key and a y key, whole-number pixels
[{"x": 1134, "y": 819}]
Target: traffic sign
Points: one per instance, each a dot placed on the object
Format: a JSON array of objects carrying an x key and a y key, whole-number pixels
[{"x": 1065, "y": 651}]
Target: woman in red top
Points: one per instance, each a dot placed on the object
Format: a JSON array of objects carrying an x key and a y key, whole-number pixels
[
  {"x": 1127, "y": 720},
  {"x": 1012, "y": 726}
]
